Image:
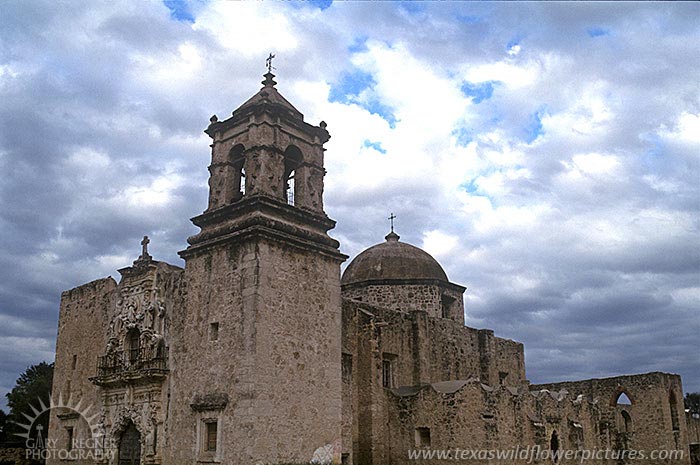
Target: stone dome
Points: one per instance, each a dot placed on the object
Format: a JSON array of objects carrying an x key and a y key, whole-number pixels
[{"x": 393, "y": 260}]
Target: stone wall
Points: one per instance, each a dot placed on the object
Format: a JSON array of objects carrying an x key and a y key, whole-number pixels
[
  {"x": 408, "y": 297},
  {"x": 82, "y": 334},
  {"x": 693, "y": 424},
  {"x": 654, "y": 418},
  {"x": 416, "y": 349},
  {"x": 471, "y": 415},
  {"x": 275, "y": 362}
]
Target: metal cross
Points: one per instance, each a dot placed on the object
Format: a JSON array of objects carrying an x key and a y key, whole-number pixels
[
  {"x": 392, "y": 218},
  {"x": 144, "y": 246},
  {"x": 268, "y": 63}
]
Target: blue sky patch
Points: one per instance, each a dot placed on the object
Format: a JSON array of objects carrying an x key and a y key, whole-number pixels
[
  {"x": 513, "y": 42},
  {"x": 350, "y": 85},
  {"x": 413, "y": 8},
  {"x": 534, "y": 127},
  {"x": 359, "y": 44},
  {"x": 374, "y": 145},
  {"x": 478, "y": 91},
  {"x": 464, "y": 136},
  {"x": 179, "y": 10},
  {"x": 321, "y": 4},
  {"x": 470, "y": 186},
  {"x": 377, "y": 108},
  {"x": 469, "y": 19},
  {"x": 597, "y": 31}
]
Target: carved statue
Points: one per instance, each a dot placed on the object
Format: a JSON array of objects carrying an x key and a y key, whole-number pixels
[
  {"x": 148, "y": 316},
  {"x": 156, "y": 344}
]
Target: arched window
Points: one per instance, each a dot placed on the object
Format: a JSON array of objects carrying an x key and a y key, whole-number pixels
[
  {"x": 134, "y": 340},
  {"x": 554, "y": 446},
  {"x": 237, "y": 160},
  {"x": 292, "y": 160},
  {"x": 674, "y": 411},
  {"x": 623, "y": 399},
  {"x": 626, "y": 421}
]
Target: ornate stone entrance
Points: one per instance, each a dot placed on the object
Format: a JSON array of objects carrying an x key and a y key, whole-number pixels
[{"x": 130, "y": 446}]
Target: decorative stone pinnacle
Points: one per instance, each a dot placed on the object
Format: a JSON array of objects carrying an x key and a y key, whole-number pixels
[
  {"x": 392, "y": 237},
  {"x": 269, "y": 82}
]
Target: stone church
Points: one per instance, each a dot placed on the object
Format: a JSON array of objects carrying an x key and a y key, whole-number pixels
[{"x": 258, "y": 352}]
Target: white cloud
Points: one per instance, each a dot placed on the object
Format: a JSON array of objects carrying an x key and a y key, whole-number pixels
[{"x": 439, "y": 244}]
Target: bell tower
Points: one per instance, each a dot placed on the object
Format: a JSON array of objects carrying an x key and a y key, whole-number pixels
[
  {"x": 258, "y": 375},
  {"x": 266, "y": 149}
]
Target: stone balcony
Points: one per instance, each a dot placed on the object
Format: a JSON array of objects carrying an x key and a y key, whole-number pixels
[{"x": 130, "y": 367}]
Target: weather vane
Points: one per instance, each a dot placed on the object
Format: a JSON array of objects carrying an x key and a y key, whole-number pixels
[
  {"x": 391, "y": 218},
  {"x": 268, "y": 63}
]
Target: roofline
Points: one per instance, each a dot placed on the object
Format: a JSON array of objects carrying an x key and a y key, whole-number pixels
[{"x": 400, "y": 281}]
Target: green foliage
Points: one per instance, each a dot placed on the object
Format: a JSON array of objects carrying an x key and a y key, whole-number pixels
[
  {"x": 32, "y": 385},
  {"x": 3, "y": 421},
  {"x": 692, "y": 402}
]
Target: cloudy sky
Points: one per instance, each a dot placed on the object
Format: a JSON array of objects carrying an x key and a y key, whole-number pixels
[{"x": 546, "y": 154}]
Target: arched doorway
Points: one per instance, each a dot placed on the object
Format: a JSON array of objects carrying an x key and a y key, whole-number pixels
[{"x": 130, "y": 446}]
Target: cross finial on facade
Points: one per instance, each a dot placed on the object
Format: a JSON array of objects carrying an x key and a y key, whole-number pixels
[
  {"x": 144, "y": 246},
  {"x": 268, "y": 63},
  {"x": 391, "y": 218}
]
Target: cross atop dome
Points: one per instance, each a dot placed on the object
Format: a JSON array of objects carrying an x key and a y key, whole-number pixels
[{"x": 392, "y": 236}]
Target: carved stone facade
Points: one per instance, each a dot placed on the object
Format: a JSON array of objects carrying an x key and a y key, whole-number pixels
[{"x": 258, "y": 353}]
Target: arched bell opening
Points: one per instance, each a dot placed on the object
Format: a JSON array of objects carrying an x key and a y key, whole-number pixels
[
  {"x": 292, "y": 161},
  {"x": 237, "y": 161}
]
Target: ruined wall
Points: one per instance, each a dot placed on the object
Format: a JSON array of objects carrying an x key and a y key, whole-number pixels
[
  {"x": 693, "y": 425},
  {"x": 82, "y": 332},
  {"x": 271, "y": 377},
  {"x": 655, "y": 420},
  {"x": 470, "y": 415}
]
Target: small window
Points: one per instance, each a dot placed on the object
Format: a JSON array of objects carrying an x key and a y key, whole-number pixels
[
  {"x": 134, "y": 345},
  {"x": 214, "y": 332},
  {"x": 447, "y": 304},
  {"x": 387, "y": 373},
  {"x": 68, "y": 389},
  {"x": 626, "y": 421},
  {"x": 210, "y": 440},
  {"x": 74, "y": 363},
  {"x": 422, "y": 437},
  {"x": 69, "y": 438}
]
